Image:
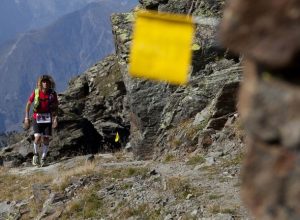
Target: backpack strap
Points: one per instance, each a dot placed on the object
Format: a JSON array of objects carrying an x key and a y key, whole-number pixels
[{"x": 36, "y": 99}]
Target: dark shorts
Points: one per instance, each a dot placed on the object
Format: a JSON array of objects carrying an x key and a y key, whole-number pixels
[{"x": 44, "y": 129}]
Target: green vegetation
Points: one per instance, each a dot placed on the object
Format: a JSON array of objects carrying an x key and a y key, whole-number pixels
[
  {"x": 88, "y": 205},
  {"x": 196, "y": 160},
  {"x": 138, "y": 211},
  {"x": 18, "y": 187},
  {"x": 215, "y": 209},
  {"x": 65, "y": 177},
  {"x": 143, "y": 211},
  {"x": 237, "y": 160},
  {"x": 182, "y": 187},
  {"x": 169, "y": 158},
  {"x": 122, "y": 173},
  {"x": 214, "y": 196}
]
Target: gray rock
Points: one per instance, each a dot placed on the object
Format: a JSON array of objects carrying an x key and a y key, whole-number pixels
[
  {"x": 168, "y": 217},
  {"x": 5, "y": 207},
  {"x": 194, "y": 212},
  {"x": 90, "y": 158},
  {"x": 210, "y": 161}
]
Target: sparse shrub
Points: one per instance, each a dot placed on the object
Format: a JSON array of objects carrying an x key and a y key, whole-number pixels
[
  {"x": 126, "y": 186},
  {"x": 131, "y": 171},
  {"x": 230, "y": 211},
  {"x": 237, "y": 160},
  {"x": 18, "y": 187},
  {"x": 238, "y": 129},
  {"x": 64, "y": 178},
  {"x": 121, "y": 173},
  {"x": 176, "y": 143},
  {"x": 139, "y": 211},
  {"x": 196, "y": 160},
  {"x": 215, "y": 209},
  {"x": 214, "y": 196},
  {"x": 88, "y": 205},
  {"x": 119, "y": 155},
  {"x": 143, "y": 211},
  {"x": 168, "y": 158},
  {"x": 182, "y": 187}
]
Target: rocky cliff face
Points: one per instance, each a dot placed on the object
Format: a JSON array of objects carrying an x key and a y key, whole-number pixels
[{"x": 206, "y": 102}]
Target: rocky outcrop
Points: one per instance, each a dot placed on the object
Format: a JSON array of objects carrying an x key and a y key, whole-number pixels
[
  {"x": 195, "y": 7},
  {"x": 105, "y": 100},
  {"x": 96, "y": 100},
  {"x": 204, "y": 105},
  {"x": 91, "y": 112},
  {"x": 269, "y": 102},
  {"x": 157, "y": 107}
]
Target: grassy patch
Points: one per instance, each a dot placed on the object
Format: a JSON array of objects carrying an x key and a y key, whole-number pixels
[
  {"x": 64, "y": 177},
  {"x": 215, "y": 209},
  {"x": 126, "y": 186},
  {"x": 88, "y": 205},
  {"x": 122, "y": 173},
  {"x": 143, "y": 211},
  {"x": 181, "y": 187},
  {"x": 18, "y": 187},
  {"x": 119, "y": 155},
  {"x": 237, "y": 160},
  {"x": 214, "y": 196},
  {"x": 175, "y": 143},
  {"x": 169, "y": 158},
  {"x": 189, "y": 217},
  {"x": 230, "y": 211},
  {"x": 138, "y": 211},
  {"x": 238, "y": 129},
  {"x": 211, "y": 170},
  {"x": 196, "y": 160}
]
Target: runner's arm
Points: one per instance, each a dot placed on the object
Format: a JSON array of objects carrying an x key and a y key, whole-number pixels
[
  {"x": 28, "y": 105},
  {"x": 27, "y": 109}
]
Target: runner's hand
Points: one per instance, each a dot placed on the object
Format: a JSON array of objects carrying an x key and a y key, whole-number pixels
[{"x": 26, "y": 123}]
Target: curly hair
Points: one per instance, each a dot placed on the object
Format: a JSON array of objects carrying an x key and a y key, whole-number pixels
[{"x": 48, "y": 78}]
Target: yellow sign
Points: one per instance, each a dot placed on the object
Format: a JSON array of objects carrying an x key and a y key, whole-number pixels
[
  {"x": 161, "y": 47},
  {"x": 117, "y": 138}
]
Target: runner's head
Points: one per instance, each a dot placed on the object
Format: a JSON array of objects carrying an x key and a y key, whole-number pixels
[{"x": 45, "y": 81}]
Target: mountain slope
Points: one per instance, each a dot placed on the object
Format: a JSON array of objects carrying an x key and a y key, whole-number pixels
[
  {"x": 20, "y": 16},
  {"x": 64, "y": 49}
]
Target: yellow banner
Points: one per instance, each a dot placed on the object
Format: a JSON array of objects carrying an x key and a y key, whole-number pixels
[{"x": 161, "y": 47}]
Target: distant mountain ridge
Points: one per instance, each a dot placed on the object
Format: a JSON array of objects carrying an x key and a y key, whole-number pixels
[
  {"x": 65, "y": 48},
  {"x": 18, "y": 16}
]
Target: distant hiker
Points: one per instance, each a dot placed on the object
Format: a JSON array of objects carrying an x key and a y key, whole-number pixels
[{"x": 45, "y": 108}]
